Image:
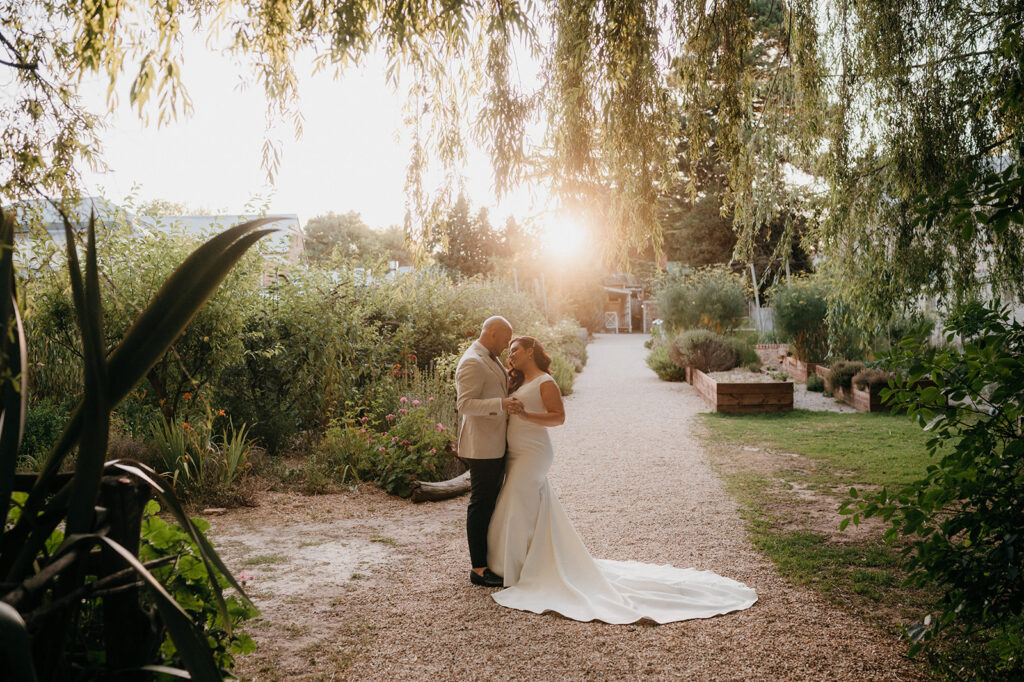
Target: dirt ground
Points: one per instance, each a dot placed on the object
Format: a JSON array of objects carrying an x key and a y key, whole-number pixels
[{"x": 361, "y": 585}]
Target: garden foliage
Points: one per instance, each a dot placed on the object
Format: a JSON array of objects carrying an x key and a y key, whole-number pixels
[
  {"x": 962, "y": 520},
  {"x": 54, "y": 596},
  {"x": 285, "y": 349},
  {"x": 815, "y": 383},
  {"x": 801, "y": 310},
  {"x": 841, "y": 374},
  {"x": 658, "y": 360},
  {"x": 712, "y": 298},
  {"x": 187, "y": 578},
  {"x": 871, "y": 379},
  {"x": 704, "y": 350},
  {"x": 413, "y": 447}
]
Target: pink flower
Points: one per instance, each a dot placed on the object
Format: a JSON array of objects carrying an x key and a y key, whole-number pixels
[
  {"x": 403, "y": 400},
  {"x": 384, "y": 435},
  {"x": 390, "y": 417},
  {"x": 364, "y": 420},
  {"x": 415, "y": 403},
  {"x": 433, "y": 451},
  {"x": 246, "y": 578},
  {"x": 394, "y": 439},
  {"x": 405, "y": 442},
  {"x": 362, "y": 430},
  {"x": 381, "y": 449},
  {"x": 440, "y": 426},
  {"x": 402, "y": 411},
  {"x": 431, "y": 398}
]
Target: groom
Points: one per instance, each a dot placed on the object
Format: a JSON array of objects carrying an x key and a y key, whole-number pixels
[{"x": 481, "y": 385}]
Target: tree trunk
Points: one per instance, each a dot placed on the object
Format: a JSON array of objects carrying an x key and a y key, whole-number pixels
[{"x": 422, "y": 491}]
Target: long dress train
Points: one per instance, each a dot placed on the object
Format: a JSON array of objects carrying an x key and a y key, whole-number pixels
[{"x": 546, "y": 567}]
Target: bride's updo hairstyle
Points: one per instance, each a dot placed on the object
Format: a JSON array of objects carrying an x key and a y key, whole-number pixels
[{"x": 542, "y": 359}]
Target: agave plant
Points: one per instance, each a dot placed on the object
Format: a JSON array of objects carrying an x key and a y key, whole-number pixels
[{"x": 44, "y": 587}]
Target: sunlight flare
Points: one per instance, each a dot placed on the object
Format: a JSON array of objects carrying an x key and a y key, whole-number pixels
[{"x": 564, "y": 237}]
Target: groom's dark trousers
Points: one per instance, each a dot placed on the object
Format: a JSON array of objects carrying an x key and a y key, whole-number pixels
[{"x": 485, "y": 479}]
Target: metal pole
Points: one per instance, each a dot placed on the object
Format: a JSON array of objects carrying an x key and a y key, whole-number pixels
[
  {"x": 757, "y": 299},
  {"x": 544, "y": 294}
]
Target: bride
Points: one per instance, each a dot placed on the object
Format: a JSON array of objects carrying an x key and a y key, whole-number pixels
[{"x": 533, "y": 545}]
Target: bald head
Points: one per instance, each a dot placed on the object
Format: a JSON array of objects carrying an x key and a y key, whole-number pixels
[{"x": 495, "y": 334}]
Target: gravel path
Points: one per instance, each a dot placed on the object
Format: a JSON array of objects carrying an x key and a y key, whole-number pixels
[{"x": 370, "y": 587}]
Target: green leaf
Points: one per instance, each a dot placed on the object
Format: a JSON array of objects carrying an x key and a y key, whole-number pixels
[
  {"x": 206, "y": 551},
  {"x": 193, "y": 648}
]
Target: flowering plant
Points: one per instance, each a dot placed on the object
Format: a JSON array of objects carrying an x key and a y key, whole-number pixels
[{"x": 413, "y": 448}]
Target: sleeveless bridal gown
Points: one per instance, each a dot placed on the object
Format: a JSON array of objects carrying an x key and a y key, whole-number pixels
[{"x": 532, "y": 543}]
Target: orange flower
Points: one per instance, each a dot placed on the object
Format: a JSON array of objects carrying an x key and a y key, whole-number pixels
[
  {"x": 185, "y": 425},
  {"x": 221, "y": 413},
  {"x": 188, "y": 396}
]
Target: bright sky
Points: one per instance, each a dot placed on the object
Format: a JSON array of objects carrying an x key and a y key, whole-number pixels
[{"x": 352, "y": 154}]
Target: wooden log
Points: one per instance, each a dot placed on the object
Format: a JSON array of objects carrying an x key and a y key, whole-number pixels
[{"x": 425, "y": 491}]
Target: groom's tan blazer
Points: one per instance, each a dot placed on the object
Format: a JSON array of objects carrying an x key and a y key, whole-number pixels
[{"x": 480, "y": 384}]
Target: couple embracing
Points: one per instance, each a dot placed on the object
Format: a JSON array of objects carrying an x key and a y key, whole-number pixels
[{"x": 519, "y": 536}]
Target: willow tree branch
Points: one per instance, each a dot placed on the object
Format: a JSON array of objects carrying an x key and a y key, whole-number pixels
[
  {"x": 20, "y": 62},
  {"x": 16, "y": 65}
]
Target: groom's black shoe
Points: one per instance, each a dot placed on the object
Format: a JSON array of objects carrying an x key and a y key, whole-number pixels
[{"x": 488, "y": 579}]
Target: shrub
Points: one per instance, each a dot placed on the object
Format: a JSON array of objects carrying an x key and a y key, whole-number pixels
[
  {"x": 704, "y": 350},
  {"x": 205, "y": 468},
  {"x": 658, "y": 360},
  {"x": 564, "y": 338},
  {"x": 413, "y": 448},
  {"x": 801, "y": 310},
  {"x": 188, "y": 581},
  {"x": 871, "y": 379},
  {"x": 962, "y": 519},
  {"x": 746, "y": 353},
  {"x": 433, "y": 391},
  {"x": 563, "y": 372},
  {"x": 44, "y": 421},
  {"x": 309, "y": 349},
  {"x": 815, "y": 383},
  {"x": 841, "y": 374},
  {"x": 910, "y": 325},
  {"x": 712, "y": 299}
]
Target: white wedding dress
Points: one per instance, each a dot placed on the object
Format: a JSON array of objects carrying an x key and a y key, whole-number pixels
[{"x": 533, "y": 545}]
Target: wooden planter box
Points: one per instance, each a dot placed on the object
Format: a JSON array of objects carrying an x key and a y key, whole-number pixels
[
  {"x": 743, "y": 398},
  {"x": 798, "y": 369},
  {"x": 861, "y": 400}
]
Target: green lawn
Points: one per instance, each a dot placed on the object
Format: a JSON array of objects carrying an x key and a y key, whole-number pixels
[
  {"x": 859, "y": 574},
  {"x": 861, "y": 449}
]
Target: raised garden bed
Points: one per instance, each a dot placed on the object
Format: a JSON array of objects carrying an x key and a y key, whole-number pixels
[
  {"x": 862, "y": 400},
  {"x": 742, "y": 392},
  {"x": 798, "y": 369}
]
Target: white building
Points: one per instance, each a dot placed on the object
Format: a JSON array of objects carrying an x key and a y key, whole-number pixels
[{"x": 286, "y": 242}]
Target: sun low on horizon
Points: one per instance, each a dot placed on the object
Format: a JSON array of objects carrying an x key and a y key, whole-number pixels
[{"x": 565, "y": 237}]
